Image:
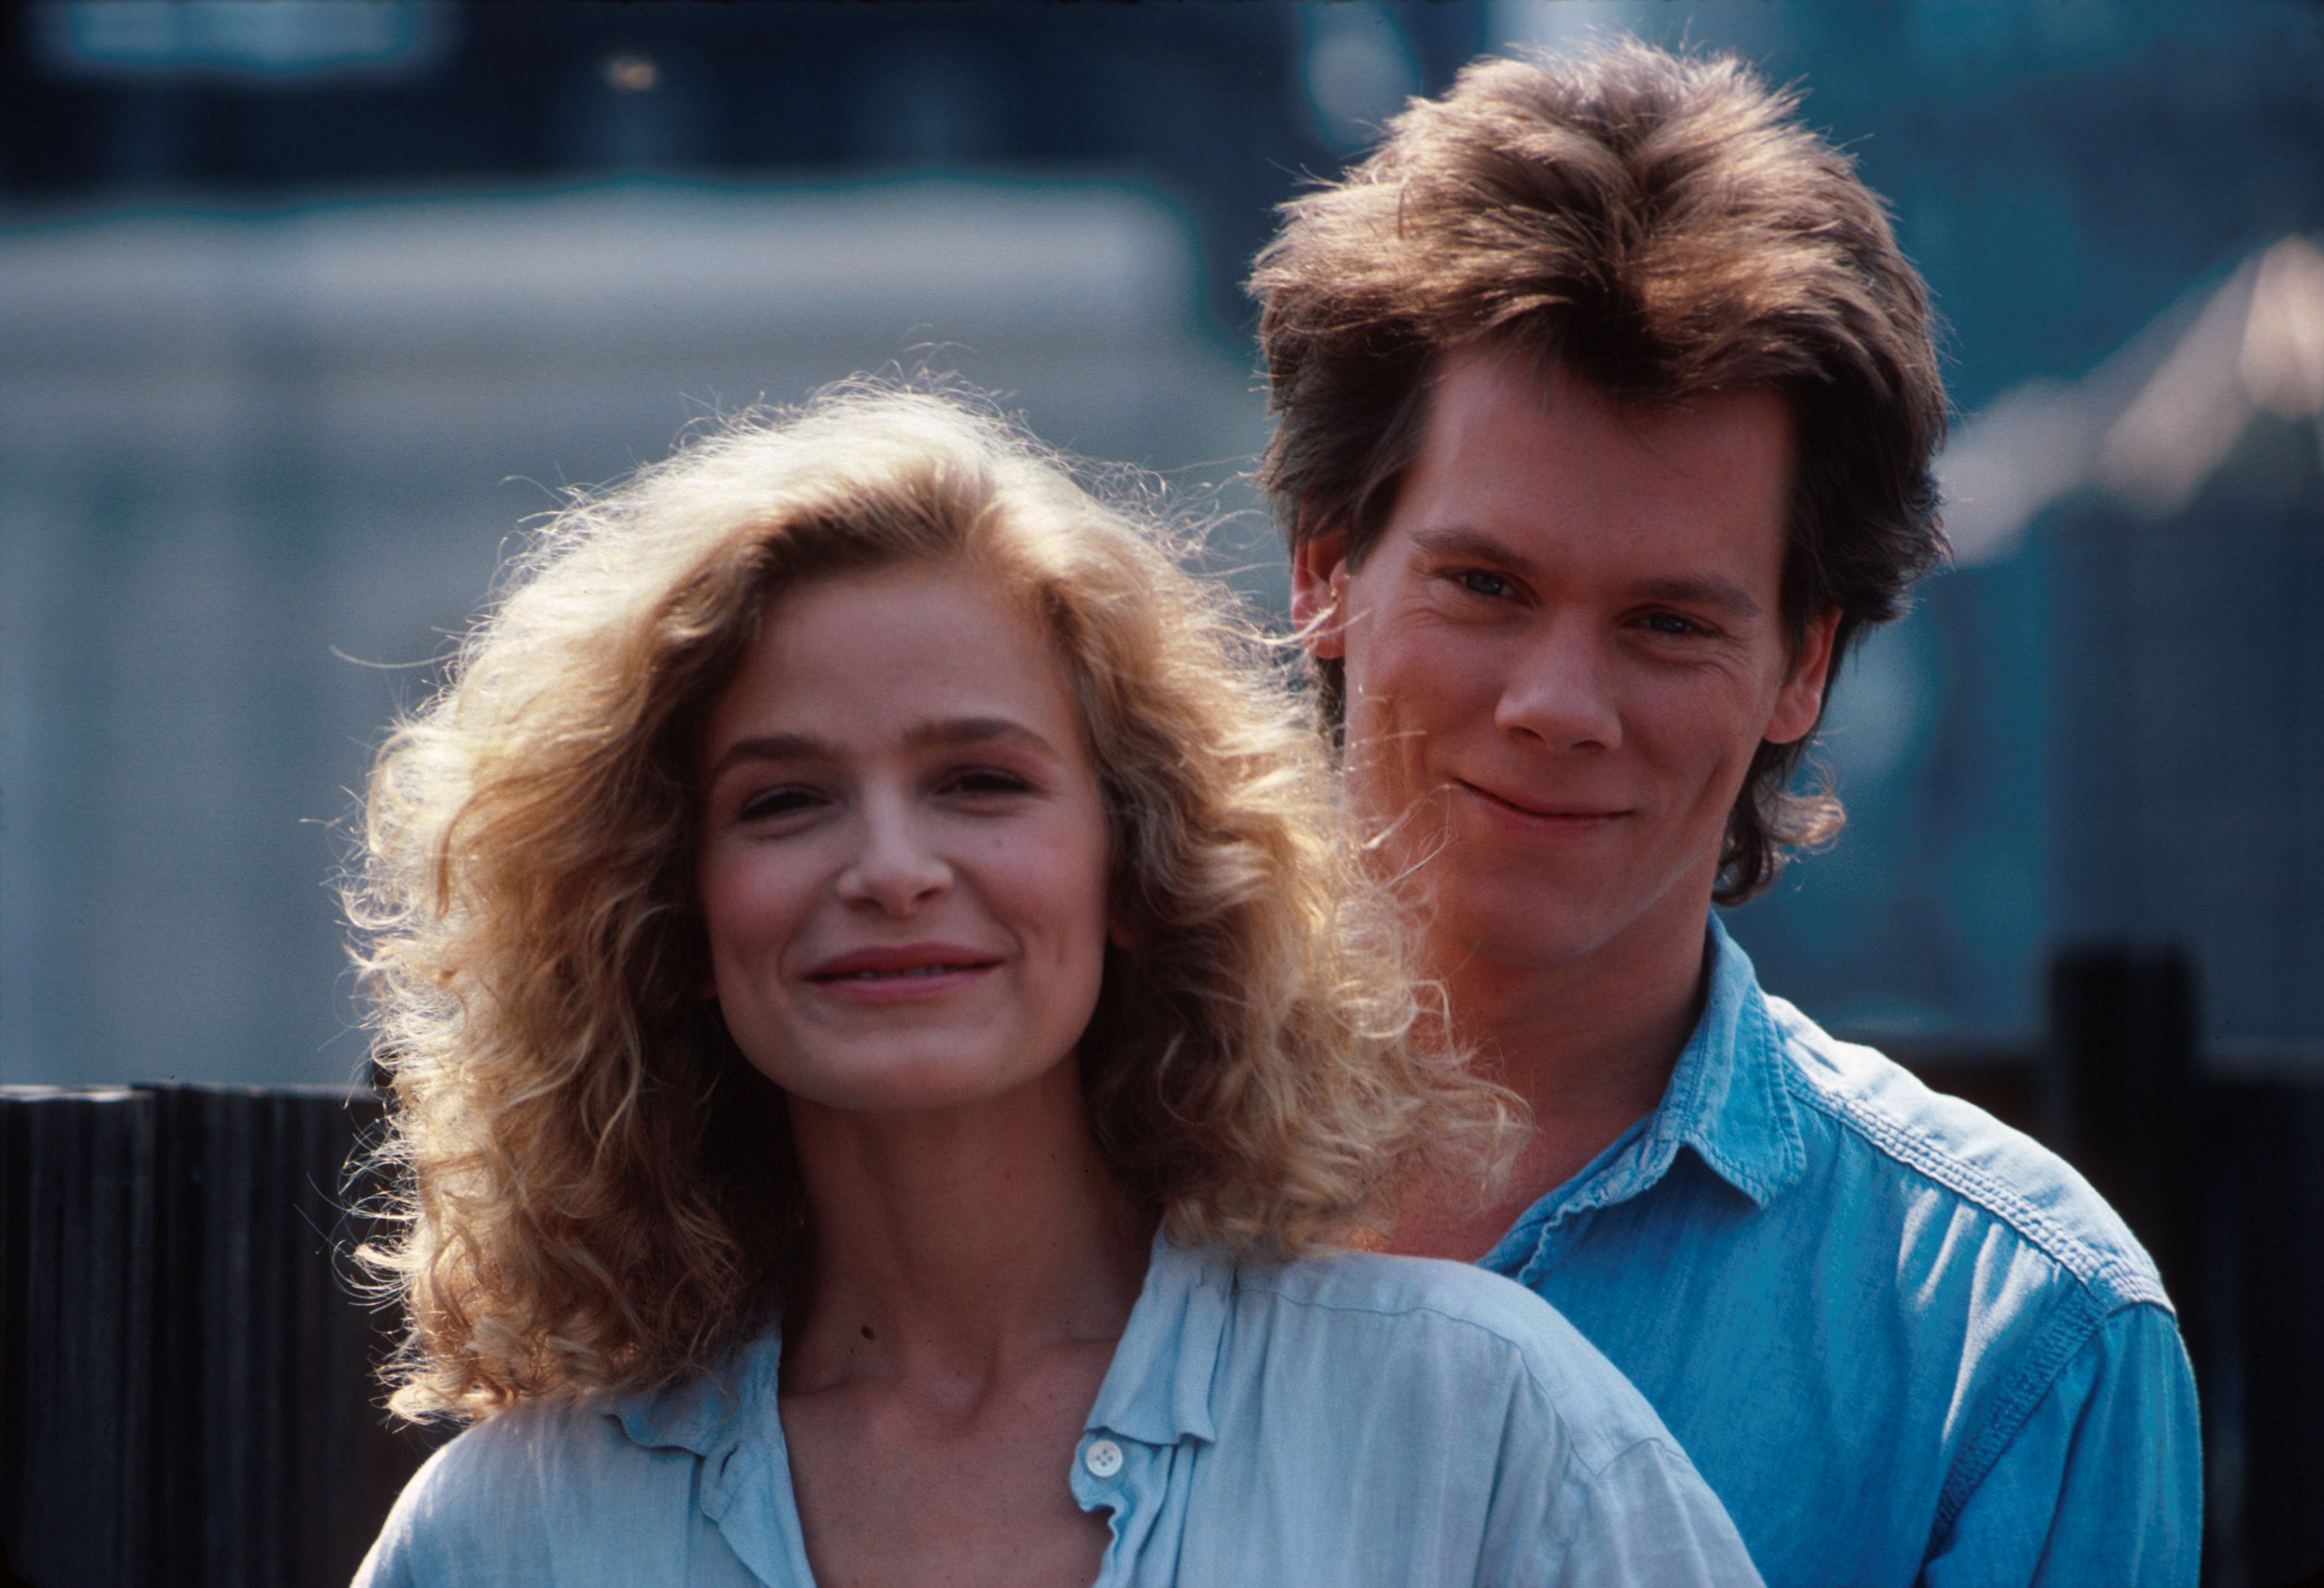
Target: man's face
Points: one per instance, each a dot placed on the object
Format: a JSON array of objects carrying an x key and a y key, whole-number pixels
[{"x": 1563, "y": 653}]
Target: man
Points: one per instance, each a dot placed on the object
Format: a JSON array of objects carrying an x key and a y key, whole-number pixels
[{"x": 1606, "y": 406}]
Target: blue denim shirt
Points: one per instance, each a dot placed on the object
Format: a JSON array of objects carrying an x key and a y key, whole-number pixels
[
  {"x": 1903, "y": 1343},
  {"x": 1350, "y": 1421}
]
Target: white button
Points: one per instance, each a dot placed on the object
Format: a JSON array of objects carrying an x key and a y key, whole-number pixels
[{"x": 1103, "y": 1458}]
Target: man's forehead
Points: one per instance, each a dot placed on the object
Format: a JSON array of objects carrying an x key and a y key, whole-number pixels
[
  {"x": 1490, "y": 379},
  {"x": 1529, "y": 460}
]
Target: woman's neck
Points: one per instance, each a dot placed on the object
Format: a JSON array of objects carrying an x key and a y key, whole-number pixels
[{"x": 960, "y": 1242}]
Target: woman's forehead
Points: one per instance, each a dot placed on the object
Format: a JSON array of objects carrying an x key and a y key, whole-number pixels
[{"x": 894, "y": 649}]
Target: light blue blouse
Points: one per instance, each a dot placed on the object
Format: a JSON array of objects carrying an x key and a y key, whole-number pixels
[{"x": 1341, "y": 1421}]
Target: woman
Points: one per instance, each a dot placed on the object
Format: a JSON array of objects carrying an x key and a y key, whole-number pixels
[{"x": 882, "y": 1030}]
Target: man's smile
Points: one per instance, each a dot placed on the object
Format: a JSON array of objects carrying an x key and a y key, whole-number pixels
[{"x": 1535, "y": 815}]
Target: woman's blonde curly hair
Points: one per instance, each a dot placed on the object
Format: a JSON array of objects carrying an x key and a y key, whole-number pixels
[{"x": 596, "y": 1190}]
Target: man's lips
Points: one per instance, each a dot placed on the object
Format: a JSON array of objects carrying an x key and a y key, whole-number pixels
[{"x": 1557, "y": 817}]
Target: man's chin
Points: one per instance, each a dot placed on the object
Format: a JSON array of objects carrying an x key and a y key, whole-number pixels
[{"x": 1532, "y": 931}]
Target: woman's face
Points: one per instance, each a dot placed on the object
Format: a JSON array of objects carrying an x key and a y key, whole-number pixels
[{"x": 903, "y": 862}]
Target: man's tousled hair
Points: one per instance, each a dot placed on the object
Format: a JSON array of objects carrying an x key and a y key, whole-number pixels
[{"x": 1665, "y": 228}]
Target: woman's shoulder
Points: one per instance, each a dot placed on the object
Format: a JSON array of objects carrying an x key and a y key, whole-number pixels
[
  {"x": 1378, "y": 1282},
  {"x": 1426, "y": 1293},
  {"x": 1419, "y": 1380},
  {"x": 512, "y": 1499},
  {"x": 1411, "y": 1311}
]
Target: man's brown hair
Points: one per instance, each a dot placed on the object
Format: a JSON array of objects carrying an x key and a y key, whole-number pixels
[{"x": 1664, "y": 227}]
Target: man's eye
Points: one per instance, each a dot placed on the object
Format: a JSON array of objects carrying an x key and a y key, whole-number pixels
[
  {"x": 1478, "y": 582},
  {"x": 1670, "y": 623}
]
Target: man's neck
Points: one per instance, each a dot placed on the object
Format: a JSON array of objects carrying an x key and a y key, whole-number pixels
[{"x": 1589, "y": 1045}]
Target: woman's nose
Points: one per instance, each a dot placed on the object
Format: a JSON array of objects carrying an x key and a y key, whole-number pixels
[{"x": 896, "y": 867}]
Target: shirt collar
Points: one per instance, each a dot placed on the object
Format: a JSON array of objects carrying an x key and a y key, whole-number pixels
[
  {"x": 1158, "y": 1391},
  {"x": 702, "y": 1412},
  {"x": 1725, "y": 1099},
  {"x": 731, "y": 1420}
]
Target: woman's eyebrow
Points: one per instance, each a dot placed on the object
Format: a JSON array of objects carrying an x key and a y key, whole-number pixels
[
  {"x": 937, "y": 733},
  {"x": 955, "y": 732},
  {"x": 769, "y": 747}
]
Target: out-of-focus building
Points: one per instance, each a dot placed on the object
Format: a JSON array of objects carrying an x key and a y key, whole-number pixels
[
  {"x": 304, "y": 308},
  {"x": 258, "y": 469},
  {"x": 2180, "y": 490},
  {"x": 307, "y": 305}
]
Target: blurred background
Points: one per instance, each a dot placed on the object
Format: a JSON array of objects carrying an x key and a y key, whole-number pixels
[{"x": 307, "y": 305}]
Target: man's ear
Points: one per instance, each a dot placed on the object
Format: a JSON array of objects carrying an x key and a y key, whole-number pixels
[
  {"x": 1319, "y": 587},
  {"x": 1800, "y": 702}
]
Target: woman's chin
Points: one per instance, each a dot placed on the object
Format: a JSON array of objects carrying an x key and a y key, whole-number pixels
[{"x": 914, "y": 1085}]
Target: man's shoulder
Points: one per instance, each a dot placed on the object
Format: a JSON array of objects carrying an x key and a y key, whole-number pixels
[{"x": 1882, "y": 1130}]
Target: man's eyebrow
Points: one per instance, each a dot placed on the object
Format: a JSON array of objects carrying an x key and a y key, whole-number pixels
[
  {"x": 937, "y": 733},
  {"x": 1704, "y": 590},
  {"x": 1460, "y": 540}
]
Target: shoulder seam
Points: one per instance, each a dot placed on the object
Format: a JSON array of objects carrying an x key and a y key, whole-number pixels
[
  {"x": 1517, "y": 1350},
  {"x": 2069, "y": 1335},
  {"x": 2121, "y": 1280},
  {"x": 1595, "y": 1481}
]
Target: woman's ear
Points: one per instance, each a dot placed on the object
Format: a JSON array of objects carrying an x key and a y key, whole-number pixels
[{"x": 1124, "y": 930}]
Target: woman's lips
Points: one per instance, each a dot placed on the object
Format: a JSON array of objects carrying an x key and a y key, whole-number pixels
[{"x": 915, "y": 970}]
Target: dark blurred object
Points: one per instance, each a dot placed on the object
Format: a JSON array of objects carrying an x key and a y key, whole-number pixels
[
  {"x": 188, "y": 1396},
  {"x": 2269, "y": 1163},
  {"x": 2221, "y": 1177},
  {"x": 2123, "y": 1098}
]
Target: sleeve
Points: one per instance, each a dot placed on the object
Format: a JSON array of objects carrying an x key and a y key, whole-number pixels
[
  {"x": 2103, "y": 1484},
  {"x": 395, "y": 1557},
  {"x": 1648, "y": 1520},
  {"x": 466, "y": 1518}
]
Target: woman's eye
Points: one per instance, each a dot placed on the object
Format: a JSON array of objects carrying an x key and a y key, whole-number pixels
[
  {"x": 1478, "y": 582},
  {"x": 775, "y": 802},
  {"x": 985, "y": 779}
]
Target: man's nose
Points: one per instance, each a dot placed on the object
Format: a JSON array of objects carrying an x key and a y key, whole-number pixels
[
  {"x": 897, "y": 867},
  {"x": 1560, "y": 692}
]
